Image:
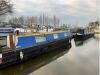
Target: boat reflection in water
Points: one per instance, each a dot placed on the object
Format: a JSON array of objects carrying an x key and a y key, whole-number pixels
[
  {"x": 32, "y": 65},
  {"x": 81, "y": 42}
]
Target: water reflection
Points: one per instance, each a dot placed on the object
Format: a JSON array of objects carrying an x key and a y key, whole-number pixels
[
  {"x": 80, "y": 60},
  {"x": 32, "y": 65},
  {"x": 81, "y": 42}
]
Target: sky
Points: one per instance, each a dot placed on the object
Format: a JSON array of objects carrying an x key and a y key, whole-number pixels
[{"x": 69, "y": 11}]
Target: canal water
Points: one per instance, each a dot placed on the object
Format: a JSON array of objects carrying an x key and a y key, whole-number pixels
[{"x": 79, "y": 58}]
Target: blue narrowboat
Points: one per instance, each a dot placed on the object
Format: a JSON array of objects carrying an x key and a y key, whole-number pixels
[{"x": 18, "y": 48}]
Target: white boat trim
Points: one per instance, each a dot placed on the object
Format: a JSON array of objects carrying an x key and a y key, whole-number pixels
[{"x": 0, "y": 55}]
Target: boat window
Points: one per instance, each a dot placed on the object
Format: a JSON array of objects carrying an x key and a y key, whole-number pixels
[
  {"x": 3, "y": 41},
  {"x": 40, "y": 39},
  {"x": 65, "y": 34},
  {"x": 55, "y": 36},
  {"x": 6, "y": 30}
]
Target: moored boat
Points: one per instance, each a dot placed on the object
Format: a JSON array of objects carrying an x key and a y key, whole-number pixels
[
  {"x": 18, "y": 48},
  {"x": 82, "y": 34}
]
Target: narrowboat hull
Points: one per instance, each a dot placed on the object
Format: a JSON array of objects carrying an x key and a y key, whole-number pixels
[
  {"x": 23, "y": 55},
  {"x": 83, "y": 36}
]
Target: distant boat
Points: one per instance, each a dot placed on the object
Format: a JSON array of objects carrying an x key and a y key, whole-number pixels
[{"x": 83, "y": 33}]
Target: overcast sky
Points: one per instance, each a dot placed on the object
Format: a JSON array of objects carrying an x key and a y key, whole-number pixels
[{"x": 69, "y": 11}]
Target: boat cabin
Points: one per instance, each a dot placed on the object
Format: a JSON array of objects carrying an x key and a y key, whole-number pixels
[
  {"x": 6, "y": 30},
  {"x": 6, "y": 38}
]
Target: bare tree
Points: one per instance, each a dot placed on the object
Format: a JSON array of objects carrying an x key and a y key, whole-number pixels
[
  {"x": 37, "y": 22},
  {"x": 93, "y": 25},
  {"x": 5, "y": 7},
  {"x": 97, "y": 23}
]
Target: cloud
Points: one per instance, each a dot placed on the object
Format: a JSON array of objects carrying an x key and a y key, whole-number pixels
[{"x": 84, "y": 8}]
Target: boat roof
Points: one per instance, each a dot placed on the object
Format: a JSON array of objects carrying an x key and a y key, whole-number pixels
[{"x": 40, "y": 33}]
